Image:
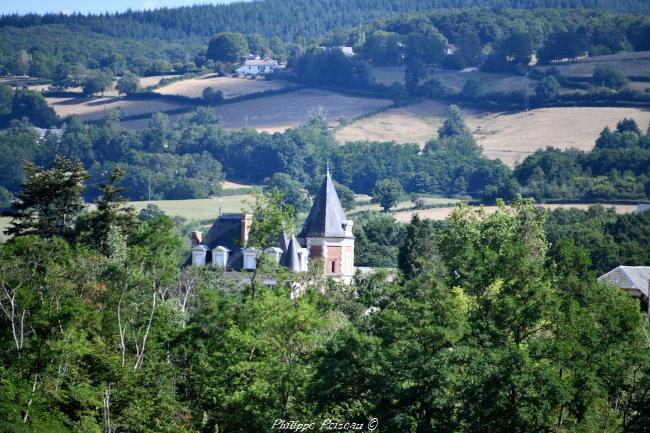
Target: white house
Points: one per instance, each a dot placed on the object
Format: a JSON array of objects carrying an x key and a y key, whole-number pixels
[{"x": 257, "y": 67}]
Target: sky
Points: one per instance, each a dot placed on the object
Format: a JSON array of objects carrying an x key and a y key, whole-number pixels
[{"x": 93, "y": 6}]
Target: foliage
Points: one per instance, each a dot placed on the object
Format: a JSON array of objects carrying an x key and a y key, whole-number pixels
[
  {"x": 50, "y": 200},
  {"x": 291, "y": 190},
  {"x": 377, "y": 239},
  {"x": 227, "y": 47},
  {"x": 387, "y": 192},
  {"x": 129, "y": 83}
]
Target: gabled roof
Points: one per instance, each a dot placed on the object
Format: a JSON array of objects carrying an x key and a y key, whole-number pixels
[
  {"x": 326, "y": 216},
  {"x": 629, "y": 277}
]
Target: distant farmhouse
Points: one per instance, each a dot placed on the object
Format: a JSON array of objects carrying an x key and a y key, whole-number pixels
[
  {"x": 635, "y": 280},
  {"x": 326, "y": 234},
  {"x": 256, "y": 66}
]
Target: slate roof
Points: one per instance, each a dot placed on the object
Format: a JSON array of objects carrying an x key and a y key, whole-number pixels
[
  {"x": 642, "y": 207},
  {"x": 226, "y": 232},
  {"x": 290, "y": 259},
  {"x": 326, "y": 216},
  {"x": 629, "y": 277}
]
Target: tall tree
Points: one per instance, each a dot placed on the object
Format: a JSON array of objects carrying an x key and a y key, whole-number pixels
[{"x": 49, "y": 201}]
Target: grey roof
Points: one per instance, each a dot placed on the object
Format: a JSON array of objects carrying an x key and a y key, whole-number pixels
[
  {"x": 326, "y": 216},
  {"x": 290, "y": 259},
  {"x": 642, "y": 207},
  {"x": 629, "y": 277},
  {"x": 226, "y": 232}
]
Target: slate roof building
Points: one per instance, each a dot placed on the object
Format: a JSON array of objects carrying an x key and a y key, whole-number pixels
[
  {"x": 635, "y": 280},
  {"x": 326, "y": 234}
]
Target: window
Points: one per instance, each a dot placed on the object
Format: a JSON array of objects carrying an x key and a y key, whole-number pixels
[{"x": 333, "y": 266}]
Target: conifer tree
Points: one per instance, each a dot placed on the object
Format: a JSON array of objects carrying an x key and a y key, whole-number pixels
[{"x": 50, "y": 200}]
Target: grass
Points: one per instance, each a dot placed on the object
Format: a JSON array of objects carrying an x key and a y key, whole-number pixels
[{"x": 629, "y": 63}]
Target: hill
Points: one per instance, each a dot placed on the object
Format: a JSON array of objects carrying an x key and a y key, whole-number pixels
[{"x": 287, "y": 19}]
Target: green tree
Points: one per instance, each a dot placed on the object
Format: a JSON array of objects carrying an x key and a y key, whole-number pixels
[
  {"x": 212, "y": 96},
  {"x": 418, "y": 247},
  {"x": 227, "y": 47},
  {"x": 387, "y": 192},
  {"x": 548, "y": 88},
  {"x": 112, "y": 218},
  {"x": 97, "y": 82},
  {"x": 291, "y": 190},
  {"x": 454, "y": 125},
  {"x": 129, "y": 83},
  {"x": 49, "y": 201},
  {"x": 608, "y": 76}
]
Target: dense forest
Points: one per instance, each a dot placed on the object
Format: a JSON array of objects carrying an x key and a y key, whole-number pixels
[
  {"x": 486, "y": 324},
  {"x": 165, "y": 40}
]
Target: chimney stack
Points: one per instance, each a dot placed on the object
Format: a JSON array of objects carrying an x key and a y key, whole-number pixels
[
  {"x": 197, "y": 238},
  {"x": 246, "y": 223}
]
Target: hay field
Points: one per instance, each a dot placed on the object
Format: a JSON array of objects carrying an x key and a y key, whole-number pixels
[
  {"x": 96, "y": 108},
  {"x": 279, "y": 112},
  {"x": 231, "y": 87},
  {"x": 154, "y": 80},
  {"x": 443, "y": 212},
  {"x": 507, "y": 136},
  {"x": 636, "y": 63},
  {"x": 455, "y": 80}
]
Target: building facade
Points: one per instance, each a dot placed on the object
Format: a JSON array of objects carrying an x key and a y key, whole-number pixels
[{"x": 326, "y": 237}]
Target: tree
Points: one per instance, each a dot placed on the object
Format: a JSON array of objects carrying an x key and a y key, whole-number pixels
[
  {"x": 415, "y": 70},
  {"x": 212, "y": 96},
  {"x": 417, "y": 248},
  {"x": 34, "y": 107},
  {"x": 97, "y": 81},
  {"x": 129, "y": 83},
  {"x": 227, "y": 47},
  {"x": 387, "y": 192},
  {"x": 548, "y": 88},
  {"x": 50, "y": 200},
  {"x": 150, "y": 212},
  {"x": 291, "y": 190},
  {"x": 608, "y": 76},
  {"x": 454, "y": 125},
  {"x": 112, "y": 218}
]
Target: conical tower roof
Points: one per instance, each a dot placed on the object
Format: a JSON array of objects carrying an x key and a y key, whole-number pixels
[
  {"x": 291, "y": 259},
  {"x": 326, "y": 216}
]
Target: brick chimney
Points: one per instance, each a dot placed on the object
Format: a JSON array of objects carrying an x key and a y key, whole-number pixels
[
  {"x": 246, "y": 223},
  {"x": 197, "y": 238}
]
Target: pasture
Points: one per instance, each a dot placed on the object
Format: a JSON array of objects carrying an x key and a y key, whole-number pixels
[
  {"x": 279, "y": 112},
  {"x": 231, "y": 87},
  {"x": 507, "y": 136}
]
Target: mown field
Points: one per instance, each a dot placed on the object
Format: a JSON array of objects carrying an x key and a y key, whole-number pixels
[
  {"x": 279, "y": 112},
  {"x": 96, "y": 108},
  {"x": 507, "y": 136},
  {"x": 231, "y": 87},
  {"x": 442, "y": 213}
]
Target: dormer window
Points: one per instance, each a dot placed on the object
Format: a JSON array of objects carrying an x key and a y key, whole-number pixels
[
  {"x": 199, "y": 254},
  {"x": 274, "y": 253},
  {"x": 250, "y": 259},
  {"x": 220, "y": 256}
]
